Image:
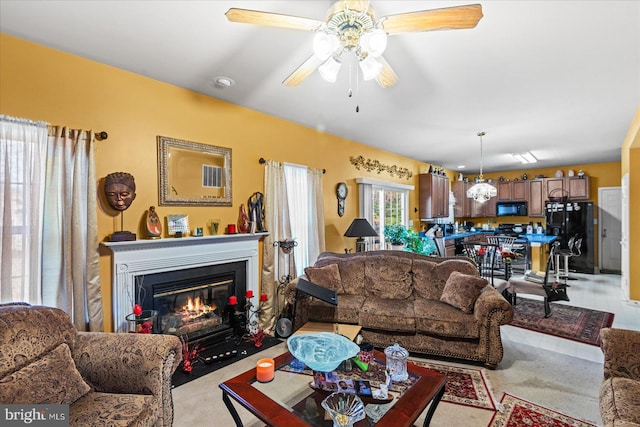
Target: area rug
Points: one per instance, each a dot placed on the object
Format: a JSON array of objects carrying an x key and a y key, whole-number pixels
[
  {"x": 519, "y": 412},
  {"x": 219, "y": 356},
  {"x": 573, "y": 323},
  {"x": 465, "y": 386}
]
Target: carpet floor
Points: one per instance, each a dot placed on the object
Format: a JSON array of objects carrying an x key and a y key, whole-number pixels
[{"x": 574, "y": 323}]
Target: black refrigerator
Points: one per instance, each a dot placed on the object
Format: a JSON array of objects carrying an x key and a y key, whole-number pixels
[{"x": 573, "y": 219}]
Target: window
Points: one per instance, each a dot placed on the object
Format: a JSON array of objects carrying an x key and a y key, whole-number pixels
[
  {"x": 383, "y": 203},
  {"x": 297, "y": 191}
]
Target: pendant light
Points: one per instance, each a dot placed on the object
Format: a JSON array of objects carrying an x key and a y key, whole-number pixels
[{"x": 481, "y": 191}]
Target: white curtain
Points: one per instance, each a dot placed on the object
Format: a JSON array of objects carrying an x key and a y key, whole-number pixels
[
  {"x": 71, "y": 272},
  {"x": 276, "y": 207},
  {"x": 316, "y": 242},
  {"x": 23, "y": 149}
]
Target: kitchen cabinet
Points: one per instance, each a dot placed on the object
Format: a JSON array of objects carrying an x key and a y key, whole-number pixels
[
  {"x": 578, "y": 187},
  {"x": 450, "y": 248},
  {"x": 462, "y": 208},
  {"x": 509, "y": 191},
  {"x": 483, "y": 209},
  {"x": 536, "y": 200},
  {"x": 434, "y": 195},
  {"x": 469, "y": 208}
]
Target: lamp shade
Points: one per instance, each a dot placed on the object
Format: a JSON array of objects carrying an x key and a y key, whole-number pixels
[{"x": 360, "y": 227}]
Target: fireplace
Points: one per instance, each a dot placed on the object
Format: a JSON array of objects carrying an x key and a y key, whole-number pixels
[
  {"x": 180, "y": 257},
  {"x": 194, "y": 303}
]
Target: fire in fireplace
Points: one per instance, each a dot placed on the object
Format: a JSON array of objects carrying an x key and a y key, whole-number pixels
[{"x": 194, "y": 303}]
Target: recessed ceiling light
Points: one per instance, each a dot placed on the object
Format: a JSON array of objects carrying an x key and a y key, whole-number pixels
[
  {"x": 461, "y": 167},
  {"x": 525, "y": 157},
  {"x": 222, "y": 82}
]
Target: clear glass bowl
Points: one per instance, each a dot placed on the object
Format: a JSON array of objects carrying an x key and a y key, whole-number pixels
[
  {"x": 345, "y": 409},
  {"x": 322, "y": 351}
]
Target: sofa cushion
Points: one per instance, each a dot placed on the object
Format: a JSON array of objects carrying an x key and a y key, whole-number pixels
[
  {"x": 388, "y": 314},
  {"x": 28, "y": 332},
  {"x": 50, "y": 379},
  {"x": 115, "y": 410},
  {"x": 439, "y": 318},
  {"x": 462, "y": 290},
  {"x": 619, "y": 401},
  {"x": 429, "y": 277},
  {"x": 345, "y": 312},
  {"x": 327, "y": 276},
  {"x": 387, "y": 276},
  {"x": 351, "y": 272}
]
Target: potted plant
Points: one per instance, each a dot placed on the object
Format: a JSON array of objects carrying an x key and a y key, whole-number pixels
[
  {"x": 396, "y": 234},
  {"x": 418, "y": 244}
]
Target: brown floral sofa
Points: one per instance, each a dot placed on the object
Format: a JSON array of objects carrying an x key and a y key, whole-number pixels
[
  {"x": 620, "y": 390},
  {"x": 107, "y": 379},
  {"x": 428, "y": 305}
]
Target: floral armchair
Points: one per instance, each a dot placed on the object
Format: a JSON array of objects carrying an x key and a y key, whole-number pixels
[{"x": 107, "y": 379}]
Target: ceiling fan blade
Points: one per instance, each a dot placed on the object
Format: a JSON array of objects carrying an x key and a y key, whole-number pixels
[
  {"x": 247, "y": 16},
  {"x": 450, "y": 18},
  {"x": 387, "y": 76},
  {"x": 303, "y": 71}
]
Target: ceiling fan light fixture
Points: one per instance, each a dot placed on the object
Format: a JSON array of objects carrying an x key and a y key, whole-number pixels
[
  {"x": 329, "y": 70},
  {"x": 370, "y": 67},
  {"x": 324, "y": 45},
  {"x": 374, "y": 42}
]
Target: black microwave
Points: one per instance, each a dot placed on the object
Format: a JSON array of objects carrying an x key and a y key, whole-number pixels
[{"x": 511, "y": 208}]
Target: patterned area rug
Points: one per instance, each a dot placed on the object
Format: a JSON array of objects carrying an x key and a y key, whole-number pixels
[
  {"x": 518, "y": 412},
  {"x": 574, "y": 323},
  {"x": 465, "y": 386}
]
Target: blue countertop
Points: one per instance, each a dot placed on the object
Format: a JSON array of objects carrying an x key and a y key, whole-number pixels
[
  {"x": 530, "y": 238},
  {"x": 537, "y": 238}
]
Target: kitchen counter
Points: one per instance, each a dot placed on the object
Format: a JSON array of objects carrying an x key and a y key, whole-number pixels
[
  {"x": 464, "y": 234},
  {"x": 537, "y": 238}
]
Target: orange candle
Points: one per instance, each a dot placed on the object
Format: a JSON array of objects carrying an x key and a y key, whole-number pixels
[{"x": 265, "y": 370}]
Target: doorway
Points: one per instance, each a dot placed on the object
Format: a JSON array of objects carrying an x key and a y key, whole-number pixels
[{"x": 610, "y": 229}]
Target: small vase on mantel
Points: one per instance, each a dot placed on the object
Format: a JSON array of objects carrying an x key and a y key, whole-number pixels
[{"x": 243, "y": 220}]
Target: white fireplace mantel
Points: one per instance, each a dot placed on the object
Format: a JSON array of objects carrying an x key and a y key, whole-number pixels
[{"x": 140, "y": 257}]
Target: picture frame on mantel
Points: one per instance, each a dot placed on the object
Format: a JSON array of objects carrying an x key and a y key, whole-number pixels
[{"x": 193, "y": 174}]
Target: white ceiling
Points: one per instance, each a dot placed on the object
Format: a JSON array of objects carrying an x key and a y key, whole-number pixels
[{"x": 558, "y": 78}]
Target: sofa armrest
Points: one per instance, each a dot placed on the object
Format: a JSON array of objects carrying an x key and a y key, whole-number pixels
[
  {"x": 491, "y": 303},
  {"x": 621, "y": 349},
  {"x": 127, "y": 363}
]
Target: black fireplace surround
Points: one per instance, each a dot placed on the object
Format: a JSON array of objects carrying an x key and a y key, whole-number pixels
[{"x": 194, "y": 303}]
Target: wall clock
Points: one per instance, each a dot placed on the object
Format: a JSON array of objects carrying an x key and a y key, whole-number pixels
[{"x": 341, "y": 193}]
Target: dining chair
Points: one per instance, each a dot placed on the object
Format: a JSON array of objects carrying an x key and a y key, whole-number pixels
[{"x": 484, "y": 255}]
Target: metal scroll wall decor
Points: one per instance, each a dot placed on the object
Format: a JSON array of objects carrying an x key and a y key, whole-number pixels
[{"x": 374, "y": 165}]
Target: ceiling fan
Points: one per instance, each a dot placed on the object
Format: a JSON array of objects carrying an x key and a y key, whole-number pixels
[{"x": 351, "y": 26}]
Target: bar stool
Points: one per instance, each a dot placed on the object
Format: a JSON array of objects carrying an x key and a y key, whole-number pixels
[{"x": 562, "y": 271}]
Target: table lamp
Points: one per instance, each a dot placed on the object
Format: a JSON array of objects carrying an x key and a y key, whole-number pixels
[{"x": 360, "y": 228}]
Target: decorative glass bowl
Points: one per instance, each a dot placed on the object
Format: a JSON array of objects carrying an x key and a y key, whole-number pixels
[
  {"x": 345, "y": 409},
  {"x": 322, "y": 351}
]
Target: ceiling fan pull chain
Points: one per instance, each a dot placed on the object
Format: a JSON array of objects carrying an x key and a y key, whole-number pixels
[
  {"x": 357, "y": 90},
  {"x": 350, "y": 82}
]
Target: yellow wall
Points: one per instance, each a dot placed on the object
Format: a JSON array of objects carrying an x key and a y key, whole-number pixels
[
  {"x": 40, "y": 83},
  {"x": 631, "y": 165}
]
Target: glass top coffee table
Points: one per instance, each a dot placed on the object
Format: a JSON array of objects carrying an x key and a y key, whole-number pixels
[{"x": 289, "y": 400}]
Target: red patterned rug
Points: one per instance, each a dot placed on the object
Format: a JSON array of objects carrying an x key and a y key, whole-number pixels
[
  {"x": 574, "y": 323},
  {"x": 465, "y": 386},
  {"x": 518, "y": 412}
]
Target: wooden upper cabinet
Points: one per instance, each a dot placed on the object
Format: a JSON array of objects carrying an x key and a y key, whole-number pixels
[
  {"x": 578, "y": 187},
  {"x": 512, "y": 191},
  {"x": 434, "y": 195},
  {"x": 537, "y": 197},
  {"x": 462, "y": 208},
  {"x": 554, "y": 187}
]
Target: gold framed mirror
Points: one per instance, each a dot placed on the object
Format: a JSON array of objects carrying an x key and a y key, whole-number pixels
[{"x": 193, "y": 174}]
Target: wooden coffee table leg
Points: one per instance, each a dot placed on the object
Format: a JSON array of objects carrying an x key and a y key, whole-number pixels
[
  {"x": 433, "y": 406},
  {"x": 232, "y": 410}
]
